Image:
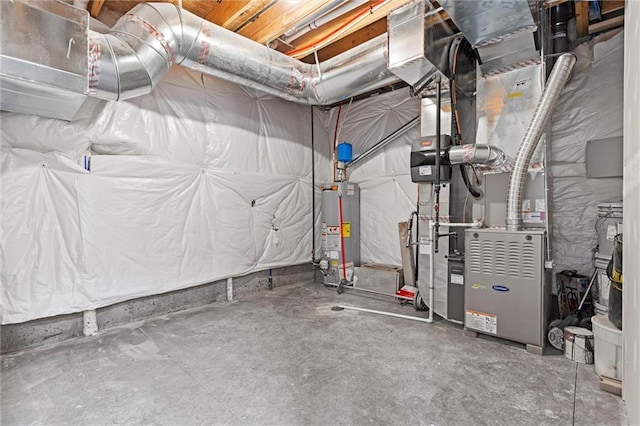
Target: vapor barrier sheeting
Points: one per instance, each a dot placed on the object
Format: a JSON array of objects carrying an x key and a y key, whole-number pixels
[
  {"x": 590, "y": 108},
  {"x": 198, "y": 181}
]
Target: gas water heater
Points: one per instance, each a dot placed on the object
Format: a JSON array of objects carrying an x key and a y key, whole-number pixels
[{"x": 340, "y": 231}]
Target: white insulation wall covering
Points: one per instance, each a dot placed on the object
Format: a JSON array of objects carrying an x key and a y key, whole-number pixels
[
  {"x": 198, "y": 181},
  {"x": 589, "y": 108},
  {"x": 387, "y": 194}
]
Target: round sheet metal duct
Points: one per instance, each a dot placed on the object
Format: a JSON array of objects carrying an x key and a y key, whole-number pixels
[{"x": 132, "y": 58}]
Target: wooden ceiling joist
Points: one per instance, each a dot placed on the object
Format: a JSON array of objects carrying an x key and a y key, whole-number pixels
[
  {"x": 249, "y": 10},
  {"x": 96, "y": 6},
  {"x": 283, "y": 16},
  {"x": 266, "y": 20},
  {"x": 358, "y": 37},
  {"x": 343, "y": 27},
  {"x": 226, "y": 11}
]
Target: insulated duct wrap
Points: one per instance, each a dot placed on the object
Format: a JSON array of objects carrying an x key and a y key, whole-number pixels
[
  {"x": 558, "y": 78},
  {"x": 132, "y": 58}
]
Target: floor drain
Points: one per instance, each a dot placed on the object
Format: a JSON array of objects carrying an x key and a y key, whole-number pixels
[{"x": 337, "y": 308}]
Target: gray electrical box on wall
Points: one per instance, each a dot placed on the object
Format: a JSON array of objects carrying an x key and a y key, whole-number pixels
[{"x": 604, "y": 158}]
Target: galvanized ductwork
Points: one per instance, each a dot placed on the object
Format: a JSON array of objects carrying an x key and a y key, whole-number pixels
[
  {"x": 43, "y": 58},
  {"x": 502, "y": 31},
  {"x": 132, "y": 58},
  {"x": 51, "y": 61},
  {"x": 486, "y": 155},
  {"x": 557, "y": 80}
]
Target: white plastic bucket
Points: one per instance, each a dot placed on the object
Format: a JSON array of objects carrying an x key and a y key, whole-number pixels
[
  {"x": 608, "y": 347},
  {"x": 600, "y": 309},
  {"x": 578, "y": 344}
]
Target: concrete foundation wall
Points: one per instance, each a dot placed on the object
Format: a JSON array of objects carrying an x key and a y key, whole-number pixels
[{"x": 15, "y": 337}]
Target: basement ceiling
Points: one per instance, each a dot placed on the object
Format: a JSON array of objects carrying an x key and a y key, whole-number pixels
[
  {"x": 267, "y": 21},
  {"x": 352, "y": 22}
]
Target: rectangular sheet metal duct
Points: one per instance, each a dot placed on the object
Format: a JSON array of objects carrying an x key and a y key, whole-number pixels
[
  {"x": 407, "y": 43},
  {"x": 43, "y": 50},
  {"x": 501, "y": 30},
  {"x": 488, "y": 22}
]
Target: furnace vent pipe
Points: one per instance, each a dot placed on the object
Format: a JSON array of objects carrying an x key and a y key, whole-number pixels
[
  {"x": 557, "y": 80},
  {"x": 132, "y": 58},
  {"x": 476, "y": 154}
]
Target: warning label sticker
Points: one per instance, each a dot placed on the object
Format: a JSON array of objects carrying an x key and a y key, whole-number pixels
[
  {"x": 346, "y": 229},
  {"x": 534, "y": 217},
  {"x": 351, "y": 190},
  {"x": 425, "y": 171},
  {"x": 333, "y": 230},
  {"x": 487, "y": 323},
  {"x": 457, "y": 279},
  {"x": 423, "y": 245},
  {"x": 519, "y": 89},
  {"x": 333, "y": 242}
]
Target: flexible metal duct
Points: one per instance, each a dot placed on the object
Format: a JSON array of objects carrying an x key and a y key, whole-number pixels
[
  {"x": 132, "y": 58},
  {"x": 558, "y": 78}
]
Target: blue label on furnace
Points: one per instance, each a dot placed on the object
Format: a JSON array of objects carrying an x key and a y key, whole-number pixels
[{"x": 500, "y": 288}]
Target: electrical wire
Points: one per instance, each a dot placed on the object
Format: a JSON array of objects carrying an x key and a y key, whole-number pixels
[
  {"x": 335, "y": 143},
  {"x": 344, "y": 117},
  {"x": 335, "y": 132}
]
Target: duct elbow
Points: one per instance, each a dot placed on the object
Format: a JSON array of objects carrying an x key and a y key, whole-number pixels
[
  {"x": 133, "y": 57},
  {"x": 115, "y": 71}
]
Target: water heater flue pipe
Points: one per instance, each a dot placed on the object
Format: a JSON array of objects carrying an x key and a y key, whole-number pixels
[{"x": 559, "y": 76}]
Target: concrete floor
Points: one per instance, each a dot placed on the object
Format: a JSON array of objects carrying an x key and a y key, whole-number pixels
[{"x": 284, "y": 357}]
